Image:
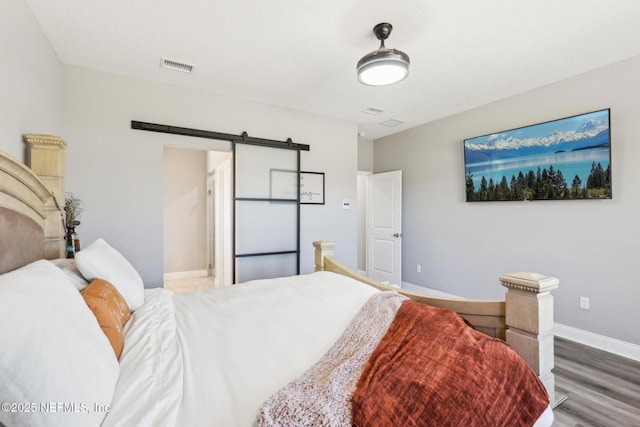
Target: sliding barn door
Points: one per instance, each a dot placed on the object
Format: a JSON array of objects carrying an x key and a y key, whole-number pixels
[{"x": 266, "y": 212}]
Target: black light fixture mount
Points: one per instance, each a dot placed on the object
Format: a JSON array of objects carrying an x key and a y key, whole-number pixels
[{"x": 383, "y": 66}]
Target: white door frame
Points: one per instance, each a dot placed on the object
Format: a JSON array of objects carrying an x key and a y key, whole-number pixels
[
  {"x": 211, "y": 223},
  {"x": 363, "y": 219},
  {"x": 223, "y": 252}
]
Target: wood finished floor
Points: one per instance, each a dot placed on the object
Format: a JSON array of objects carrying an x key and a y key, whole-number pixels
[{"x": 603, "y": 389}]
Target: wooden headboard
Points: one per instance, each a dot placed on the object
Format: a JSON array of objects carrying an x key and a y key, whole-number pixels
[{"x": 31, "y": 224}]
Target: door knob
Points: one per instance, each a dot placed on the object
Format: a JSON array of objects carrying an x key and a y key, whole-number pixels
[{"x": 397, "y": 235}]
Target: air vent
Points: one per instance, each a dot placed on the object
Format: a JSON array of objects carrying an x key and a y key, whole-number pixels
[
  {"x": 175, "y": 65},
  {"x": 391, "y": 123},
  {"x": 373, "y": 111}
]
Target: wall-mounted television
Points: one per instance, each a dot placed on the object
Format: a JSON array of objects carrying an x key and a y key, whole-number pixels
[{"x": 568, "y": 158}]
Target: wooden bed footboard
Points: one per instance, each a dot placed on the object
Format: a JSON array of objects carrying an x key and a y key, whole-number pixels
[{"x": 524, "y": 319}]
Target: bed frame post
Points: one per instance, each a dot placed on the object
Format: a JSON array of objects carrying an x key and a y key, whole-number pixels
[
  {"x": 46, "y": 159},
  {"x": 323, "y": 248},
  {"x": 529, "y": 319}
]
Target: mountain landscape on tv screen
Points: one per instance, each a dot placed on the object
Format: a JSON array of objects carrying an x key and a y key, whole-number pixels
[
  {"x": 562, "y": 159},
  {"x": 593, "y": 132}
]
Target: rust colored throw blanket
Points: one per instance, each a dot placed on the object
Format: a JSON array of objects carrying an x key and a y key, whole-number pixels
[
  {"x": 431, "y": 369},
  {"x": 402, "y": 363}
]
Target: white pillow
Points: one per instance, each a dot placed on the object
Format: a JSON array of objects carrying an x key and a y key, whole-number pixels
[
  {"x": 68, "y": 265},
  {"x": 101, "y": 261},
  {"x": 56, "y": 364}
]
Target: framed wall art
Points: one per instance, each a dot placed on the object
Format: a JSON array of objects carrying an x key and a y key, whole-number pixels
[
  {"x": 312, "y": 188},
  {"x": 568, "y": 158},
  {"x": 284, "y": 186}
]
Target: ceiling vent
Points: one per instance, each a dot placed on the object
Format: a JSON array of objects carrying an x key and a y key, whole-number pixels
[
  {"x": 175, "y": 65},
  {"x": 373, "y": 111},
  {"x": 392, "y": 123}
]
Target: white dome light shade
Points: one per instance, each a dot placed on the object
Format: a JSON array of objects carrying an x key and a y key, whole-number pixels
[{"x": 383, "y": 67}]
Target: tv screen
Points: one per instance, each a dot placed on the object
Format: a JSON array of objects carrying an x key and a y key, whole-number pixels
[{"x": 568, "y": 158}]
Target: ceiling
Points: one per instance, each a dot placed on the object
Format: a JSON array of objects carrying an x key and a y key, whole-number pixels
[{"x": 302, "y": 54}]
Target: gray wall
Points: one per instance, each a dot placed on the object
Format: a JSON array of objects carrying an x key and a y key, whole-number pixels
[
  {"x": 591, "y": 246},
  {"x": 365, "y": 154},
  {"x": 30, "y": 79},
  {"x": 185, "y": 210},
  {"x": 117, "y": 171}
]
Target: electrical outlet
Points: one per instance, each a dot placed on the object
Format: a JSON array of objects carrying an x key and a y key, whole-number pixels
[
  {"x": 584, "y": 303},
  {"x": 418, "y": 268}
]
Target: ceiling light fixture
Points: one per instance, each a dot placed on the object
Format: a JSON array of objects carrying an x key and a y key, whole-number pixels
[{"x": 383, "y": 66}]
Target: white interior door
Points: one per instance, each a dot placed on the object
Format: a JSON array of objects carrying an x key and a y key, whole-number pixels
[{"x": 384, "y": 248}]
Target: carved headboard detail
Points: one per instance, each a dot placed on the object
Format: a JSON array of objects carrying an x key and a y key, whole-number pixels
[{"x": 30, "y": 222}]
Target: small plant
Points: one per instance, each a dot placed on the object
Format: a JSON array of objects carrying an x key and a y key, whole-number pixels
[{"x": 72, "y": 210}]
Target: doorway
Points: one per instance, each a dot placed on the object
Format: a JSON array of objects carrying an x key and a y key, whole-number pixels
[
  {"x": 197, "y": 193},
  {"x": 278, "y": 188}
]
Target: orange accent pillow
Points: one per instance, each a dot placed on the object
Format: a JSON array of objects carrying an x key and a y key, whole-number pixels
[{"x": 110, "y": 309}]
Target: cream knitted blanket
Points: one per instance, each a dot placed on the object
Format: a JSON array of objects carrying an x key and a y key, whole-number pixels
[{"x": 322, "y": 395}]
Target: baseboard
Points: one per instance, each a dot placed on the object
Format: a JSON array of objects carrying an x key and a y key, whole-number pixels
[
  {"x": 185, "y": 274},
  {"x": 426, "y": 291},
  {"x": 611, "y": 345}
]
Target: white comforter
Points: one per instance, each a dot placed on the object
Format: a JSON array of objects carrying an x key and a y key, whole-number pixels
[
  {"x": 224, "y": 352},
  {"x": 149, "y": 389},
  {"x": 212, "y": 358}
]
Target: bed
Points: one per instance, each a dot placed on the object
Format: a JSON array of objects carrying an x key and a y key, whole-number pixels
[{"x": 328, "y": 348}]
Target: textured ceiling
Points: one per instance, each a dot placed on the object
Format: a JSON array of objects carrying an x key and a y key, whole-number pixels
[{"x": 302, "y": 54}]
